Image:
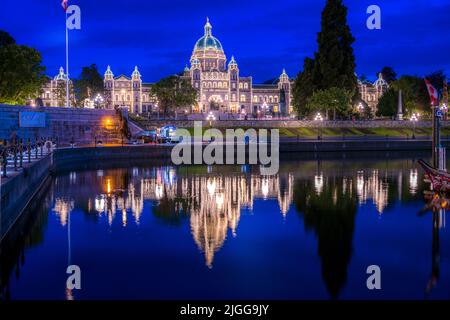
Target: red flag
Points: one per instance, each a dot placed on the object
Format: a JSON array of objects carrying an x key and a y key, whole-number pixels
[
  {"x": 65, "y": 4},
  {"x": 432, "y": 92}
]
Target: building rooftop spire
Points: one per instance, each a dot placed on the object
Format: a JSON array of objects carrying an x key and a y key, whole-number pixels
[{"x": 208, "y": 28}]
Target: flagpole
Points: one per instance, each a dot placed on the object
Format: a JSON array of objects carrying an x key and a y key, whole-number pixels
[{"x": 67, "y": 63}]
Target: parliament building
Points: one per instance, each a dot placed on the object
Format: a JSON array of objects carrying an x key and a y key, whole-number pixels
[
  {"x": 221, "y": 87},
  {"x": 218, "y": 82}
]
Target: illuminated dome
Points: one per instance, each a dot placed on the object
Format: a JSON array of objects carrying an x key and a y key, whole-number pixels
[
  {"x": 380, "y": 81},
  {"x": 208, "y": 41},
  {"x": 61, "y": 76}
]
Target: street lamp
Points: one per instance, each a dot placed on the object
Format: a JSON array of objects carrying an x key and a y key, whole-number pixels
[
  {"x": 210, "y": 117},
  {"x": 414, "y": 119},
  {"x": 265, "y": 107},
  {"x": 319, "y": 119},
  {"x": 98, "y": 101},
  {"x": 444, "y": 109}
]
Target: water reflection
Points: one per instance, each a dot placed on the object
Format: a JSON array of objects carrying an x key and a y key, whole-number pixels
[{"x": 326, "y": 196}]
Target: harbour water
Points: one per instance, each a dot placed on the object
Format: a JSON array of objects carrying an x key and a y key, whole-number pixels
[{"x": 226, "y": 232}]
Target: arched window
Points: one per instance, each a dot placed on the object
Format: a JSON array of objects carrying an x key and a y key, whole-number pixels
[
  {"x": 219, "y": 84},
  {"x": 242, "y": 98},
  {"x": 245, "y": 85},
  {"x": 275, "y": 99},
  {"x": 255, "y": 99},
  {"x": 270, "y": 99},
  {"x": 225, "y": 85},
  {"x": 240, "y": 85}
]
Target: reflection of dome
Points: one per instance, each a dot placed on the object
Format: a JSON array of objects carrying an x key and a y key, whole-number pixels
[{"x": 208, "y": 41}]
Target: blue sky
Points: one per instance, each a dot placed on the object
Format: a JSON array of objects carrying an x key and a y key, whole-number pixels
[{"x": 264, "y": 36}]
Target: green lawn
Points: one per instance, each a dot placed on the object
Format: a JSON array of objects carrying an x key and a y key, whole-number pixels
[{"x": 339, "y": 132}]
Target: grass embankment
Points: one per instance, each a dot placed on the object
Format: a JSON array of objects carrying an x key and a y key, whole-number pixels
[{"x": 349, "y": 132}]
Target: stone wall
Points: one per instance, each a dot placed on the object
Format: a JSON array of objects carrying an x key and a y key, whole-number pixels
[
  {"x": 81, "y": 125},
  {"x": 290, "y": 124},
  {"x": 17, "y": 192}
]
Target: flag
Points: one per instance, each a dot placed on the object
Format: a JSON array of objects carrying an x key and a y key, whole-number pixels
[
  {"x": 432, "y": 92},
  {"x": 65, "y": 4}
]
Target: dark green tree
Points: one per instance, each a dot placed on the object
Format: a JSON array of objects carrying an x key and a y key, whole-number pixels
[
  {"x": 173, "y": 93},
  {"x": 304, "y": 86},
  {"x": 335, "y": 59},
  {"x": 336, "y": 103},
  {"x": 89, "y": 84},
  {"x": 333, "y": 65},
  {"x": 6, "y": 39},
  {"x": 414, "y": 94},
  {"x": 21, "y": 71},
  {"x": 387, "y": 105},
  {"x": 388, "y": 73}
]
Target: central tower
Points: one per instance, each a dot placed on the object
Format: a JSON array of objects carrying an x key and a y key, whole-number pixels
[{"x": 209, "y": 52}]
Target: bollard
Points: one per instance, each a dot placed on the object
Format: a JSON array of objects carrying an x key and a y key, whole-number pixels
[
  {"x": 21, "y": 153},
  {"x": 36, "y": 148},
  {"x": 14, "y": 150},
  {"x": 29, "y": 150},
  {"x": 4, "y": 158}
]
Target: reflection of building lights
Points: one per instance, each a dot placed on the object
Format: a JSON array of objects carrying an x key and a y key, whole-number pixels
[
  {"x": 219, "y": 200},
  {"x": 360, "y": 183},
  {"x": 62, "y": 209},
  {"x": 159, "y": 192},
  {"x": 265, "y": 188},
  {"x": 318, "y": 184},
  {"x": 99, "y": 204},
  {"x": 124, "y": 217},
  {"x": 211, "y": 186},
  {"x": 108, "y": 186},
  {"x": 413, "y": 181}
]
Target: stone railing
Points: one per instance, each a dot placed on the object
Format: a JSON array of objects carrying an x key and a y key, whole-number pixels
[{"x": 291, "y": 124}]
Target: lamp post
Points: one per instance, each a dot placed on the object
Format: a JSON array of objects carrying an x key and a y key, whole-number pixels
[
  {"x": 414, "y": 119},
  {"x": 360, "y": 108},
  {"x": 211, "y": 117},
  {"x": 319, "y": 119},
  {"x": 265, "y": 107},
  {"x": 444, "y": 109},
  {"x": 98, "y": 100}
]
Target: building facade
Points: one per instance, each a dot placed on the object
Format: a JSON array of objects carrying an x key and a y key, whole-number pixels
[
  {"x": 372, "y": 92},
  {"x": 53, "y": 93},
  {"x": 130, "y": 92},
  {"x": 218, "y": 82},
  {"x": 221, "y": 87}
]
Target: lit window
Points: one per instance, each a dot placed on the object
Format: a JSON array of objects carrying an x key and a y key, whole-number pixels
[
  {"x": 245, "y": 85},
  {"x": 233, "y": 97},
  {"x": 240, "y": 85},
  {"x": 242, "y": 98}
]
